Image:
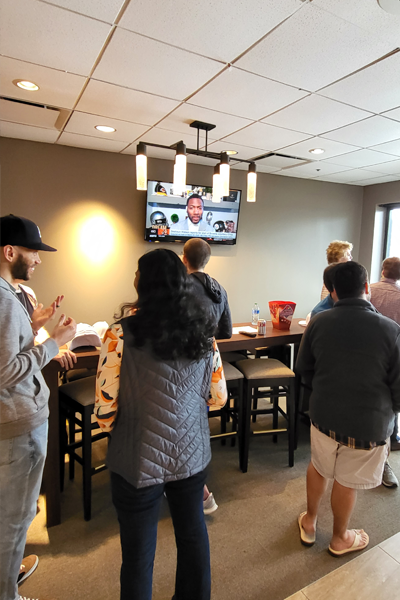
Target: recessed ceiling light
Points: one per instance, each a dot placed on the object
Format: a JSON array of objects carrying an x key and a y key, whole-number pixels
[
  {"x": 26, "y": 85},
  {"x": 230, "y": 152},
  {"x": 317, "y": 151},
  {"x": 105, "y": 128},
  {"x": 390, "y": 6}
]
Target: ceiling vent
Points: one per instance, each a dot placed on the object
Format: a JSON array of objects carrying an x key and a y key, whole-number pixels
[{"x": 30, "y": 113}]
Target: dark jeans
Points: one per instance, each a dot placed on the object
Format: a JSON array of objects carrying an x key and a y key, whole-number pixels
[{"x": 138, "y": 510}]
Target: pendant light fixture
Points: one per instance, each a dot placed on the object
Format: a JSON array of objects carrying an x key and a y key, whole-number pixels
[
  {"x": 221, "y": 175},
  {"x": 180, "y": 169},
  {"x": 224, "y": 171},
  {"x": 217, "y": 188},
  {"x": 141, "y": 166},
  {"x": 251, "y": 182}
]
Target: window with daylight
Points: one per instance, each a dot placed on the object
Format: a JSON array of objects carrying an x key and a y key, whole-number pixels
[{"x": 392, "y": 246}]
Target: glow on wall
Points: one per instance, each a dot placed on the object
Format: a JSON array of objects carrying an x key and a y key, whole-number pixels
[{"x": 96, "y": 238}]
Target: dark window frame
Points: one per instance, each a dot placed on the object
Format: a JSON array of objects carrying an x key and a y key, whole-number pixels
[{"x": 388, "y": 208}]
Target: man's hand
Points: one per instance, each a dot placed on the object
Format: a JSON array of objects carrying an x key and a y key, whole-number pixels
[
  {"x": 66, "y": 358},
  {"x": 41, "y": 316},
  {"x": 64, "y": 331}
]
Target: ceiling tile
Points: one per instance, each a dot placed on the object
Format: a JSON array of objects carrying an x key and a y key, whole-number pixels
[
  {"x": 389, "y": 147},
  {"x": 260, "y": 168},
  {"x": 104, "y": 10},
  {"x": 315, "y": 115},
  {"x": 369, "y": 132},
  {"x": 362, "y": 158},
  {"x": 244, "y": 152},
  {"x": 93, "y": 143},
  {"x": 151, "y": 66},
  {"x": 157, "y": 135},
  {"x": 393, "y": 114},
  {"x": 376, "y": 88},
  {"x": 244, "y": 94},
  {"x": 313, "y": 49},
  {"x": 384, "y": 179},
  {"x": 50, "y": 36},
  {"x": 26, "y": 132},
  {"x": 391, "y": 168},
  {"x": 185, "y": 114},
  {"x": 314, "y": 169},
  {"x": 353, "y": 175},
  {"x": 266, "y": 137},
  {"x": 85, "y": 124},
  {"x": 121, "y": 103},
  {"x": 367, "y": 15},
  {"x": 302, "y": 149},
  {"x": 279, "y": 162},
  {"x": 56, "y": 88},
  {"x": 221, "y": 30}
]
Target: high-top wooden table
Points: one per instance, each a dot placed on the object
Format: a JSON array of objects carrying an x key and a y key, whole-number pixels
[{"x": 89, "y": 360}]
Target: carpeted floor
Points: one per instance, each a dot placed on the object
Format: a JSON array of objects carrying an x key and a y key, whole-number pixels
[{"x": 255, "y": 549}]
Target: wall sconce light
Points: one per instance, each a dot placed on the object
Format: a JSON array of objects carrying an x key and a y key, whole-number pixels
[
  {"x": 251, "y": 183},
  {"x": 217, "y": 188},
  {"x": 224, "y": 171},
  {"x": 141, "y": 166},
  {"x": 180, "y": 169}
]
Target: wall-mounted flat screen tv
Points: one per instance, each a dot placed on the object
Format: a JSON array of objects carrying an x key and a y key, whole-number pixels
[{"x": 172, "y": 218}]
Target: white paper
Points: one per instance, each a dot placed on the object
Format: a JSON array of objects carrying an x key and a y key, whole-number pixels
[{"x": 244, "y": 328}]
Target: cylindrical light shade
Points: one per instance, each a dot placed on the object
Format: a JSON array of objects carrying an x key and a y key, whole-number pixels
[
  {"x": 180, "y": 170},
  {"x": 251, "y": 183},
  {"x": 224, "y": 171},
  {"x": 141, "y": 167},
  {"x": 217, "y": 188}
]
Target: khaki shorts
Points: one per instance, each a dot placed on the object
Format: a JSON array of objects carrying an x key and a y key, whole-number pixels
[{"x": 358, "y": 469}]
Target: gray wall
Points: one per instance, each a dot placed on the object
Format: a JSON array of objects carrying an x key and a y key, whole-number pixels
[{"x": 280, "y": 254}]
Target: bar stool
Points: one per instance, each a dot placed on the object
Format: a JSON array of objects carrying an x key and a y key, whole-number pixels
[
  {"x": 281, "y": 381},
  {"x": 282, "y": 353},
  {"x": 76, "y": 405},
  {"x": 233, "y": 409}
]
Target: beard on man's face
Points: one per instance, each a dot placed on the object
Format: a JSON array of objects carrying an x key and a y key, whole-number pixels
[{"x": 20, "y": 269}]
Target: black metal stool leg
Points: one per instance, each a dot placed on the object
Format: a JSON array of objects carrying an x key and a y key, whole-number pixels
[{"x": 87, "y": 461}]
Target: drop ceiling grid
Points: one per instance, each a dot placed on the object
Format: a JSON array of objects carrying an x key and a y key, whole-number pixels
[
  {"x": 365, "y": 14},
  {"x": 257, "y": 105},
  {"x": 50, "y": 36},
  {"x": 313, "y": 49},
  {"x": 223, "y": 30},
  {"x": 101, "y": 10}
]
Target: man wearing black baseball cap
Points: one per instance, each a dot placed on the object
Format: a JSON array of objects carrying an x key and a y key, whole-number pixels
[{"x": 23, "y": 395}]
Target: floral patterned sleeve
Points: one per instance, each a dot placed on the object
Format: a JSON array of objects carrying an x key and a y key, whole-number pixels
[
  {"x": 107, "y": 379},
  {"x": 218, "y": 391}
]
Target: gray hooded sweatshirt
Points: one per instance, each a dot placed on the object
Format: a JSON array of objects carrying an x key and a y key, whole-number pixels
[{"x": 23, "y": 392}]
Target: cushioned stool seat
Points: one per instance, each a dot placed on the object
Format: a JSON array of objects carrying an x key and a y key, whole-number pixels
[
  {"x": 280, "y": 380},
  {"x": 76, "y": 405}
]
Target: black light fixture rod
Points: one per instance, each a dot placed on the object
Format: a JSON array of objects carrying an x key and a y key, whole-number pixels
[{"x": 206, "y": 139}]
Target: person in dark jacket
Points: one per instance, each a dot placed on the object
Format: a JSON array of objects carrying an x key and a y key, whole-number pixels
[
  {"x": 156, "y": 367},
  {"x": 196, "y": 254},
  {"x": 350, "y": 355}
]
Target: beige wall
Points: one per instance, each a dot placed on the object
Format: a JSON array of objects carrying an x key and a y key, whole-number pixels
[
  {"x": 385, "y": 193},
  {"x": 282, "y": 239}
]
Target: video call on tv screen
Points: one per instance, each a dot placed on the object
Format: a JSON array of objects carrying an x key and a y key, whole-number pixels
[{"x": 172, "y": 218}]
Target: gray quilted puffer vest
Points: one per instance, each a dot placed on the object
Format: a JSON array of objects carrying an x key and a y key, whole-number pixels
[{"x": 161, "y": 432}]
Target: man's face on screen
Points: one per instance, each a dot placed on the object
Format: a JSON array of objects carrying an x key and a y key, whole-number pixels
[{"x": 195, "y": 210}]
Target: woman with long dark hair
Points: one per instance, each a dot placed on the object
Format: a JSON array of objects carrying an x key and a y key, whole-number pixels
[{"x": 155, "y": 371}]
